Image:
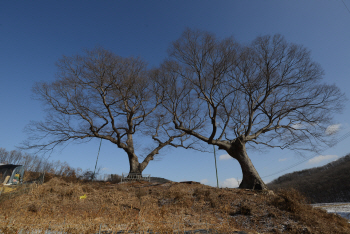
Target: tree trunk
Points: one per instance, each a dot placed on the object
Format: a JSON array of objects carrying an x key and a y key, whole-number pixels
[
  {"x": 251, "y": 178},
  {"x": 134, "y": 164}
]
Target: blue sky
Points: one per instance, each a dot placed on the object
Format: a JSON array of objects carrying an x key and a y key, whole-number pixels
[{"x": 35, "y": 34}]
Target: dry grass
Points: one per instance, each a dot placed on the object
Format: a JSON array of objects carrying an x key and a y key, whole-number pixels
[{"x": 163, "y": 208}]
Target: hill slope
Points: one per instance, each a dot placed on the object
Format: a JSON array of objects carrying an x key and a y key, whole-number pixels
[
  {"x": 329, "y": 183},
  {"x": 85, "y": 207}
]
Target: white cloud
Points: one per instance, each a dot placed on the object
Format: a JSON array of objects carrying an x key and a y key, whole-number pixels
[
  {"x": 282, "y": 159},
  {"x": 204, "y": 181},
  {"x": 332, "y": 129},
  {"x": 297, "y": 126},
  {"x": 229, "y": 183},
  {"x": 225, "y": 157},
  {"x": 105, "y": 169},
  {"x": 321, "y": 158}
]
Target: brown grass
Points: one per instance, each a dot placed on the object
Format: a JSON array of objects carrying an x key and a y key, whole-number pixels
[{"x": 163, "y": 208}]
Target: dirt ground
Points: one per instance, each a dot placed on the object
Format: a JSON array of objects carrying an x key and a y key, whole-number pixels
[{"x": 87, "y": 207}]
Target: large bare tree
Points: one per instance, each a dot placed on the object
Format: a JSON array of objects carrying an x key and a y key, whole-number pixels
[
  {"x": 102, "y": 95},
  {"x": 267, "y": 93}
]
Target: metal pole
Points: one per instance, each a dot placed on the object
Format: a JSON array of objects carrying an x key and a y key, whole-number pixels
[
  {"x": 93, "y": 176},
  {"x": 216, "y": 168}
]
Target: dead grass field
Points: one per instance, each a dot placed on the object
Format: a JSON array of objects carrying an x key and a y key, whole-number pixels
[{"x": 162, "y": 208}]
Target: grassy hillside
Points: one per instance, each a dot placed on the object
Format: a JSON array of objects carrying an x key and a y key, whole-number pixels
[
  {"x": 85, "y": 207},
  {"x": 329, "y": 183}
]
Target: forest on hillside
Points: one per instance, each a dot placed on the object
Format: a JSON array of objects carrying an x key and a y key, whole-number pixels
[{"x": 329, "y": 183}]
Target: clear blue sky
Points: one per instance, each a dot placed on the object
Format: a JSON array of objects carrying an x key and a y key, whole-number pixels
[{"x": 35, "y": 34}]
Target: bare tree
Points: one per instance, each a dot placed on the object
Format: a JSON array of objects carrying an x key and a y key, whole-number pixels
[
  {"x": 102, "y": 95},
  {"x": 268, "y": 93},
  {"x": 33, "y": 163}
]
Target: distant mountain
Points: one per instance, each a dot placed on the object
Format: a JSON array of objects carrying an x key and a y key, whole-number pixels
[{"x": 329, "y": 183}]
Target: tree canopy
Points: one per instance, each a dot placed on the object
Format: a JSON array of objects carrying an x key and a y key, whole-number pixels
[
  {"x": 216, "y": 91},
  {"x": 102, "y": 95},
  {"x": 269, "y": 92}
]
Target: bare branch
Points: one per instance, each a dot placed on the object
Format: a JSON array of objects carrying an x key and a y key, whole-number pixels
[{"x": 101, "y": 95}]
